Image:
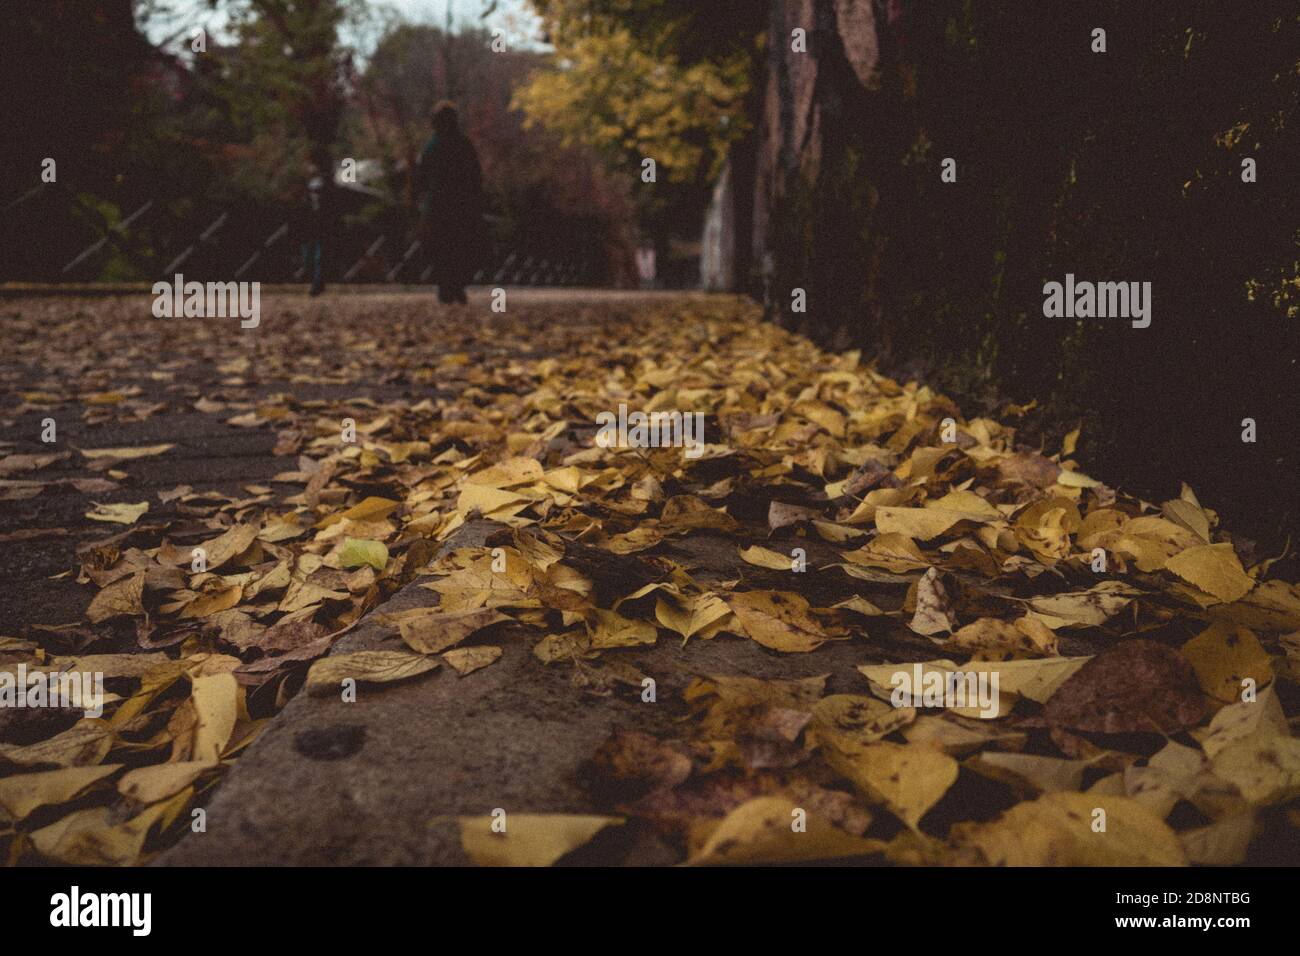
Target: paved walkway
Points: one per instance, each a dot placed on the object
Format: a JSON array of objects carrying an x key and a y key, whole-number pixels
[{"x": 475, "y": 439}]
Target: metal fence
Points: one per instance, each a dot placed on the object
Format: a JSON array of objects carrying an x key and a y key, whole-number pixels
[{"x": 51, "y": 233}]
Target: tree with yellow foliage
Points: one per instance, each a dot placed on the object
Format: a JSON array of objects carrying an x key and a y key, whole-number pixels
[
  {"x": 607, "y": 90},
  {"x": 622, "y": 80}
]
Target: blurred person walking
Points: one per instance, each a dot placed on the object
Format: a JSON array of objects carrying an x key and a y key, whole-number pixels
[
  {"x": 450, "y": 181},
  {"x": 319, "y": 190}
]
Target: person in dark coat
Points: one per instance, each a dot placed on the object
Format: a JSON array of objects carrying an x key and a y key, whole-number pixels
[
  {"x": 319, "y": 194},
  {"x": 449, "y": 181}
]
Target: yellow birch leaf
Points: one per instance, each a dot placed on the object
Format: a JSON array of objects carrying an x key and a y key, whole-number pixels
[
  {"x": 779, "y": 620},
  {"x": 1214, "y": 569},
  {"x": 763, "y": 830},
  {"x": 763, "y": 558},
  {"x": 843, "y": 719},
  {"x": 160, "y": 781},
  {"x": 1222, "y": 843},
  {"x": 229, "y": 544},
  {"x": 216, "y": 703},
  {"x": 466, "y": 660},
  {"x": 22, "y": 794},
  {"x": 366, "y": 667},
  {"x": 689, "y": 615},
  {"x": 892, "y": 552},
  {"x": 528, "y": 839},
  {"x": 908, "y": 779},
  {"x": 142, "y": 451},
  {"x": 435, "y": 632},
  {"x": 1062, "y": 829},
  {"x": 118, "y": 514},
  {"x": 357, "y": 552},
  {"x": 610, "y": 629},
  {"x": 1224, "y": 657},
  {"x": 1030, "y": 773},
  {"x": 83, "y": 744},
  {"x": 213, "y": 602},
  {"x": 508, "y": 473}
]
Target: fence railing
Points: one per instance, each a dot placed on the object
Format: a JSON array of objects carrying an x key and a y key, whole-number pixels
[{"x": 51, "y": 233}]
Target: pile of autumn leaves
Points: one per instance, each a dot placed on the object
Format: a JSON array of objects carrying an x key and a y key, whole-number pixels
[{"x": 1173, "y": 732}]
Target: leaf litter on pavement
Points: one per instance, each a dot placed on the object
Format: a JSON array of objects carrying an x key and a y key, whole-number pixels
[{"x": 1145, "y": 673}]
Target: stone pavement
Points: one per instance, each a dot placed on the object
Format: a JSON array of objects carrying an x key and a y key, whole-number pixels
[
  {"x": 466, "y": 416},
  {"x": 378, "y": 781},
  {"x": 381, "y": 780},
  {"x": 209, "y": 454}
]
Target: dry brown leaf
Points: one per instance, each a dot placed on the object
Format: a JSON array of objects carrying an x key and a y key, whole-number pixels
[{"x": 780, "y": 620}]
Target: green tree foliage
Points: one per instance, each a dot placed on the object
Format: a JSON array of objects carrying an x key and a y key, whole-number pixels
[{"x": 286, "y": 81}]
